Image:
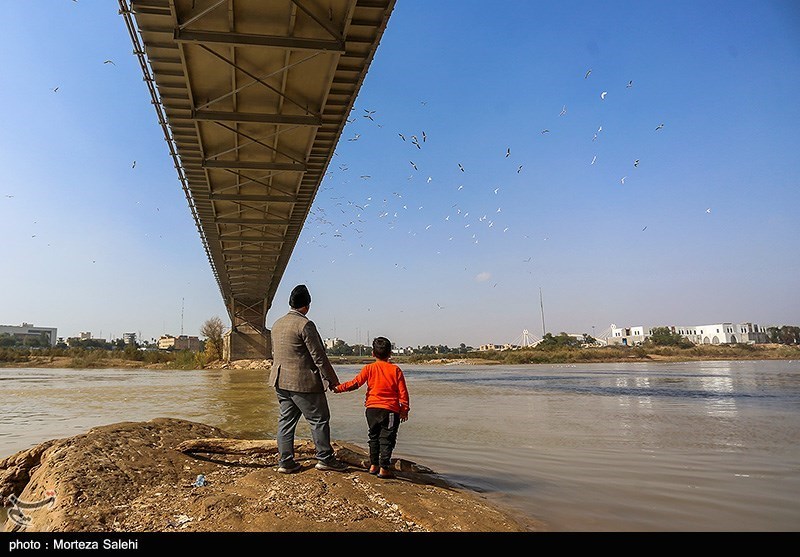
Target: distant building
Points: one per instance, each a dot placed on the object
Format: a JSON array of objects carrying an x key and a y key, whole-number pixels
[
  {"x": 129, "y": 338},
  {"x": 330, "y": 342},
  {"x": 30, "y": 332},
  {"x": 497, "y": 347},
  {"x": 181, "y": 342},
  {"x": 85, "y": 336},
  {"x": 718, "y": 333}
]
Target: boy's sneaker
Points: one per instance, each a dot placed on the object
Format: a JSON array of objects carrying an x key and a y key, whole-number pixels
[
  {"x": 331, "y": 464},
  {"x": 289, "y": 468}
]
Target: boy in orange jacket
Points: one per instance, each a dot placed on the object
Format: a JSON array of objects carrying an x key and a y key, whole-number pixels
[{"x": 386, "y": 403}]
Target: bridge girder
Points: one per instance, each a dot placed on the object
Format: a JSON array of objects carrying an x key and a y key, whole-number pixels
[{"x": 253, "y": 97}]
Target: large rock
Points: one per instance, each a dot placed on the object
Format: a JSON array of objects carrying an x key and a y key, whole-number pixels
[{"x": 143, "y": 476}]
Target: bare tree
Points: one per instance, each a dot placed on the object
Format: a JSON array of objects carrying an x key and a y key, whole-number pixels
[{"x": 212, "y": 329}]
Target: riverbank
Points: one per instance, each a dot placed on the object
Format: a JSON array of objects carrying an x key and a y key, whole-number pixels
[
  {"x": 170, "y": 475},
  {"x": 606, "y": 354}
]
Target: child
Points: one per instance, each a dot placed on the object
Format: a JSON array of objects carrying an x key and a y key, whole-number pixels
[{"x": 387, "y": 405}]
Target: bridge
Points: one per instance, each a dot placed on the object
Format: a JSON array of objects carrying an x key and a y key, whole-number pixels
[{"x": 252, "y": 97}]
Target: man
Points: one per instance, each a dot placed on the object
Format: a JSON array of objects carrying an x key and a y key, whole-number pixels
[{"x": 300, "y": 373}]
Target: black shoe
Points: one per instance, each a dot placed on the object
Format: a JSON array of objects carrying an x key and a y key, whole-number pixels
[
  {"x": 331, "y": 464},
  {"x": 289, "y": 468}
]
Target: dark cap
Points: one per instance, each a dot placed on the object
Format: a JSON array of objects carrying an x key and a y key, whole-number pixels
[{"x": 300, "y": 297}]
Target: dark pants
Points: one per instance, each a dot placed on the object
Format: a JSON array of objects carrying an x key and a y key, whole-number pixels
[
  {"x": 314, "y": 408},
  {"x": 383, "y": 425}
]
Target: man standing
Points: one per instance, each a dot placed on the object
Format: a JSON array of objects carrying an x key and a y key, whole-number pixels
[{"x": 300, "y": 373}]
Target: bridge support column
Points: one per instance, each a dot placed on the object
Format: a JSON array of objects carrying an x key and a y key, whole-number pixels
[{"x": 249, "y": 338}]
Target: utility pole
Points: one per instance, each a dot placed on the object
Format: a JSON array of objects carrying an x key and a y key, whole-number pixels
[
  {"x": 541, "y": 305},
  {"x": 181, "y": 316}
]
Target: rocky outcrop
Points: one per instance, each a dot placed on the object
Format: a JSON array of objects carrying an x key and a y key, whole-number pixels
[{"x": 168, "y": 474}]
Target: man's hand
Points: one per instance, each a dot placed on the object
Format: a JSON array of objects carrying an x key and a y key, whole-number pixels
[{"x": 404, "y": 415}]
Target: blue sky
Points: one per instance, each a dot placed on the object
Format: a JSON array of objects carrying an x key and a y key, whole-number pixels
[{"x": 702, "y": 230}]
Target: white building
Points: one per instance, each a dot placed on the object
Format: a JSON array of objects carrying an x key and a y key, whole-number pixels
[
  {"x": 718, "y": 333},
  {"x": 330, "y": 342},
  {"x": 129, "y": 338},
  {"x": 29, "y": 331}
]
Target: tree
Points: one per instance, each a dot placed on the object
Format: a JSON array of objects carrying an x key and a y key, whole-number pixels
[
  {"x": 664, "y": 336},
  {"x": 213, "y": 329}
]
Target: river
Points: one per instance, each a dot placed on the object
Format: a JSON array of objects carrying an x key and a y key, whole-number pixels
[{"x": 640, "y": 447}]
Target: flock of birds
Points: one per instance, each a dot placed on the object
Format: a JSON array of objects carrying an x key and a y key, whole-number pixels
[
  {"x": 346, "y": 221},
  {"x": 339, "y": 215}
]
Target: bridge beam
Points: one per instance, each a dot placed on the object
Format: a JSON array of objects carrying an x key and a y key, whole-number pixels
[{"x": 248, "y": 338}]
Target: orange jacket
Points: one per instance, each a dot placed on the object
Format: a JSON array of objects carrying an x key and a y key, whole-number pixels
[{"x": 386, "y": 386}]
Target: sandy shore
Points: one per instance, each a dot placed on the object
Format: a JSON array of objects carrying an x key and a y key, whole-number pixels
[{"x": 139, "y": 477}]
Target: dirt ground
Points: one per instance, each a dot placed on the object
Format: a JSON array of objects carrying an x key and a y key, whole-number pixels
[{"x": 131, "y": 477}]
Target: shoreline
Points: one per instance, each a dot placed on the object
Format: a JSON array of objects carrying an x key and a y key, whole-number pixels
[{"x": 517, "y": 357}]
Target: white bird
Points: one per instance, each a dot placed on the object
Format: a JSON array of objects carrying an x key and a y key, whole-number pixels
[
  {"x": 460, "y": 187},
  {"x": 563, "y": 110},
  {"x": 429, "y": 179},
  {"x": 708, "y": 210},
  {"x": 603, "y": 95},
  {"x": 659, "y": 127},
  {"x": 495, "y": 190},
  {"x": 622, "y": 180},
  {"x": 630, "y": 84},
  {"x": 594, "y": 158}
]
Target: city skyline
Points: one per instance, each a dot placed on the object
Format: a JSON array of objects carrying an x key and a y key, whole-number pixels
[{"x": 633, "y": 162}]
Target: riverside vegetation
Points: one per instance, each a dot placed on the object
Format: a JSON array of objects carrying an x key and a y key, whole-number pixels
[
  {"x": 548, "y": 354},
  {"x": 662, "y": 345}
]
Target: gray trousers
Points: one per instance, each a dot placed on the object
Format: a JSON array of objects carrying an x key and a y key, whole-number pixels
[{"x": 314, "y": 408}]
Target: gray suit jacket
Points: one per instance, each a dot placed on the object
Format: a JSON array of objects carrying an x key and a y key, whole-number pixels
[{"x": 299, "y": 362}]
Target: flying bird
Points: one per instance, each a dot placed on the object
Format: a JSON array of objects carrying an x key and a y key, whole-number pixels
[
  {"x": 110, "y": 62},
  {"x": 412, "y": 164},
  {"x": 519, "y": 169},
  {"x": 402, "y": 136},
  {"x": 545, "y": 131},
  {"x": 587, "y": 73},
  {"x": 708, "y": 210},
  {"x": 508, "y": 151},
  {"x": 563, "y": 110},
  {"x": 643, "y": 229},
  {"x": 55, "y": 90},
  {"x": 133, "y": 165},
  {"x": 636, "y": 163},
  {"x": 495, "y": 190},
  {"x": 603, "y": 95},
  {"x": 594, "y": 158},
  {"x": 424, "y": 137},
  {"x": 630, "y": 84},
  {"x": 659, "y": 127},
  {"x": 460, "y": 187},
  {"x": 460, "y": 167},
  {"x": 622, "y": 180}
]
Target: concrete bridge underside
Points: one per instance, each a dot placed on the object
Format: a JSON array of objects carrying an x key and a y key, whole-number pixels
[{"x": 252, "y": 96}]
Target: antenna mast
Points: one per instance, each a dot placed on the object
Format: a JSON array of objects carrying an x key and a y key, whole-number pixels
[
  {"x": 181, "y": 316},
  {"x": 541, "y": 305}
]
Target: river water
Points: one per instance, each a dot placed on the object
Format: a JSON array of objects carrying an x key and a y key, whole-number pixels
[{"x": 655, "y": 447}]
